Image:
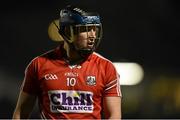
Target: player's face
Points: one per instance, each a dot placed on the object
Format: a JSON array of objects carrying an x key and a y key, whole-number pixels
[{"x": 86, "y": 37}]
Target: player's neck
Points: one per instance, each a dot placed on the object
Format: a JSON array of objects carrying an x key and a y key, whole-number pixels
[{"x": 73, "y": 56}]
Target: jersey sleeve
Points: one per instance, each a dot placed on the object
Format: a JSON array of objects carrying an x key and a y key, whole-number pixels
[
  {"x": 112, "y": 85},
  {"x": 30, "y": 82}
]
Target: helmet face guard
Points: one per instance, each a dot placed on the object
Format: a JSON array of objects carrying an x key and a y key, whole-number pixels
[{"x": 74, "y": 21}]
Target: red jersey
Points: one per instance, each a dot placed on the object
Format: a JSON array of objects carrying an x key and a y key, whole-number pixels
[{"x": 70, "y": 91}]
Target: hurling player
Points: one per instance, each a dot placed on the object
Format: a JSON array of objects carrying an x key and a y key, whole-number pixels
[{"x": 72, "y": 81}]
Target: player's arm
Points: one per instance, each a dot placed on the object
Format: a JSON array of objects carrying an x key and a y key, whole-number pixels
[
  {"x": 112, "y": 94},
  {"x": 24, "y": 105},
  {"x": 28, "y": 91},
  {"x": 112, "y": 107}
]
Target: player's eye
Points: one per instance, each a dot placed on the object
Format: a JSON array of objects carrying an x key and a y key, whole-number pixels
[
  {"x": 82, "y": 29},
  {"x": 79, "y": 29}
]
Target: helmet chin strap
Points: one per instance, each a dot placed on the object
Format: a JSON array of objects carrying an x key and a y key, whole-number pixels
[{"x": 82, "y": 53}]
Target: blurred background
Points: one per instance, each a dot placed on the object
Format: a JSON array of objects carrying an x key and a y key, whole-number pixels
[{"x": 143, "y": 31}]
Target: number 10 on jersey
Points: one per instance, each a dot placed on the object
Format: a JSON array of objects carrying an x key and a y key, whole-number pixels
[{"x": 71, "y": 81}]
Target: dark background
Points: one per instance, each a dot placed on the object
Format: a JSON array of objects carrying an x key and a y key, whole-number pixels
[{"x": 143, "y": 31}]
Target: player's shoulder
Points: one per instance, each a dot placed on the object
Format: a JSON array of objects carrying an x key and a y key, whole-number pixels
[
  {"x": 46, "y": 56},
  {"x": 52, "y": 54},
  {"x": 101, "y": 58}
]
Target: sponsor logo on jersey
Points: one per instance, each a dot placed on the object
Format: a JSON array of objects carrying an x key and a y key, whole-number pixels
[
  {"x": 50, "y": 77},
  {"x": 71, "y": 101},
  {"x": 91, "y": 80},
  {"x": 71, "y": 74}
]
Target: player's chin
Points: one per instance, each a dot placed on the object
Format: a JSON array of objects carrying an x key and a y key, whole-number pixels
[{"x": 87, "y": 47}]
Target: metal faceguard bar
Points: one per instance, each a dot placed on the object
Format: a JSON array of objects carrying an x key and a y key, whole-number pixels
[{"x": 98, "y": 29}]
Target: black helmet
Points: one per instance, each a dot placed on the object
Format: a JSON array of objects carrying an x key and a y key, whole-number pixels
[{"x": 73, "y": 20}]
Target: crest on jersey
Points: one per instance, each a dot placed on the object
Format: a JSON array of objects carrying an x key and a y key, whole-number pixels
[{"x": 91, "y": 80}]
